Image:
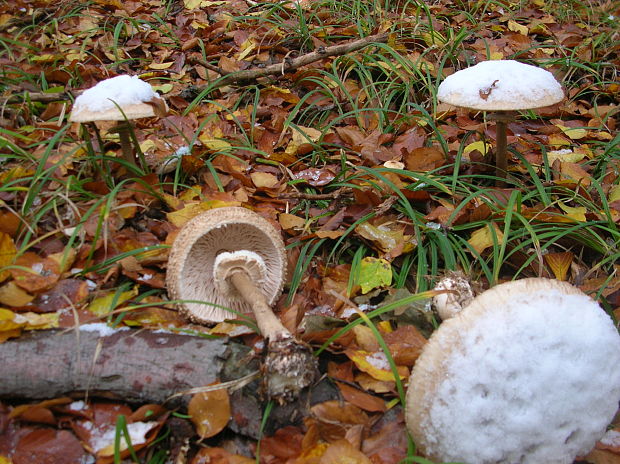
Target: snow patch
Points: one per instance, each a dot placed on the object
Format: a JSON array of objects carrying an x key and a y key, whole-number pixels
[
  {"x": 137, "y": 434},
  {"x": 102, "y": 328}
]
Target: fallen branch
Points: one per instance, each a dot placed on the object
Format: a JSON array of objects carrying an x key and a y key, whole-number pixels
[
  {"x": 41, "y": 97},
  {"x": 141, "y": 366},
  {"x": 291, "y": 64}
]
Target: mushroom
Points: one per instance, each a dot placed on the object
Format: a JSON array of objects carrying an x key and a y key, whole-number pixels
[
  {"x": 456, "y": 294},
  {"x": 527, "y": 373},
  {"x": 231, "y": 258},
  {"x": 119, "y": 98},
  {"x": 502, "y": 86}
]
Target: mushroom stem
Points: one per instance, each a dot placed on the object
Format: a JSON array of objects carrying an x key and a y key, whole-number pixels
[
  {"x": 501, "y": 162},
  {"x": 289, "y": 364},
  {"x": 123, "y": 133},
  {"x": 268, "y": 324}
]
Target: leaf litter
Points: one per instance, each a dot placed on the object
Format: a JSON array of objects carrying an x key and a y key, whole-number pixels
[{"x": 63, "y": 265}]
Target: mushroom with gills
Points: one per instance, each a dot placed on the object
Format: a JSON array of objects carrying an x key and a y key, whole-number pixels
[
  {"x": 121, "y": 98},
  {"x": 501, "y": 86},
  {"x": 526, "y": 373},
  {"x": 231, "y": 258}
]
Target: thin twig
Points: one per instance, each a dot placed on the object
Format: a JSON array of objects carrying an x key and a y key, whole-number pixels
[{"x": 290, "y": 64}]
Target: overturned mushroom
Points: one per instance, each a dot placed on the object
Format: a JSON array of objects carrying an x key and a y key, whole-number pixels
[
  {"x": 233, "y": 258},
  {"x": 119, "y": 98},
  {"x": 501, "y": 86},
  {"x": 526, "y": 373}
]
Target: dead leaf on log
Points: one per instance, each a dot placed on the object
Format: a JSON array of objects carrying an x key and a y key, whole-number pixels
[{"x": 210, "y": 412}]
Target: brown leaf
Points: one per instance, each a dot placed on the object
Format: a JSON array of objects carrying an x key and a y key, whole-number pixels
[
  {"x": 210, "y": 412},
  {"x": 424, "y": 159},
  {"x": 361, "y": 399},
  {"x": 406, "y": 344},
  {"x": 50, "y": 447}
]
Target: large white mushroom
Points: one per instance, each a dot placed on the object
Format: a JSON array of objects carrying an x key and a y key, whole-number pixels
[
  {"x": 501, "y": 86},
  {"x": 527, "y": 373},
  {"x": 232, "y": 258},
  {"x": 121, "y": 98}
]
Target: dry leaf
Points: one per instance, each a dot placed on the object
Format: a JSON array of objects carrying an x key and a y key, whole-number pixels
[{"x": 210, "y": 412}]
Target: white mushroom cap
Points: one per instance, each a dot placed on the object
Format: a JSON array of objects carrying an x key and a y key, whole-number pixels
[
  {"x": 212, "y": 245},
  {"x": 135, "y": 97},
  {"x": 459, "y": 296},
  {"x": 527, "y": 373},
  {"x": 501, "y": 85}
]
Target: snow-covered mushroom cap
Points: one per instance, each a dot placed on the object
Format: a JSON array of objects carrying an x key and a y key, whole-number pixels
[
  {"x": 135, "y": 97},
  {"x": 527, "y": 373},
  {"x": 210, "y": 247},
  {"x": 501, "y": 85}
]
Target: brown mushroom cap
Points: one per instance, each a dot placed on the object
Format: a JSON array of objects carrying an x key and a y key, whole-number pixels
[
  {"x": 500, "y": 85},
  {"x": 136, "y": 98},
  {"x": 527, "y": 373},
  {"x": 206, "y": 249}
]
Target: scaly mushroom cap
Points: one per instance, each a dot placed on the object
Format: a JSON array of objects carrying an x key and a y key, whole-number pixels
[
  {"x": 135, "y": 97},
  {"x": 210, "y": 247},
  {"x": 527, "y": 373},
  {"x": 501, "y": 85}
]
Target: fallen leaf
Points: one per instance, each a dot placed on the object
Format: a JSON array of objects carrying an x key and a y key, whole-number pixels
[
  {"x": 37, "y": 274},
  {"x": 14, "y": 296},
  {"x": 577, "y": 213},
  {"x": 209, "y": 412},
  {"x": 559, "y": 263},
  {"x": 373, "y": 273},
  {"x": 342, "y": 452},
  {"x": 486, "y": 237},
  {"x": 361, "y": 399},
  {"x": 264, "y": 180},
  {"x": 375, "y": 364},
  {"x": 104, "y": 305},
  {"x": 7, "y": 254}
]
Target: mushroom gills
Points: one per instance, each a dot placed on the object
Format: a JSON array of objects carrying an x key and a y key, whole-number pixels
[{"x": 245, "y": 263}]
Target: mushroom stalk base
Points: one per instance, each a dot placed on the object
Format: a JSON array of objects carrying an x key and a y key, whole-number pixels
[{"x": 289, "y": 365}]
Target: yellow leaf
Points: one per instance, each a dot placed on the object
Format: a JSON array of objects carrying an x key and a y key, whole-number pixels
[
  {"x": 159, "y": 66},
  {"x": 375, "y": 364},
  {"x": 210, "y": 412},
  {"x": 163, "y": 88},
  {"x": 496, "y": 56},
  {"x": 7, "y": 254},
  {"x": 247, "y": 47},
  {"x": 577, "y": 213},
  {"x": 192, "y": 4},
  {"x": 180, "y": 217},
  {"x": 43, "y": 321},
  {"x": 15, "y": 173},
  {"x": 565, "y": 155},
  {"x": 480, "y": 145},
  {"x": 300, "y": 136},
  {"x": 614, "y": 193},
  {"x": 486, "y": 237},
  {"x": 106, "y": 304},
  {"x": 573, "y": 133},
  {"x": 290, "y": 221},
  {"x": 516, "y": 27},
  {"x": 9, "y": 320},
  {"x": 373, "y": 273},
  {"x": 559, "y": 263},
  {"x": 12, "y": 295}
]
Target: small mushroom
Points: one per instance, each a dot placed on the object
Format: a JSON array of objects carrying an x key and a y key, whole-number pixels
[
  {"x": 119, "y": 98},
  {"x": 456, "y": 295},
  {"x": 501, "y": 86},
  {"x": 233, "y": 259},
  {"x": 526, "y": 373}
]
